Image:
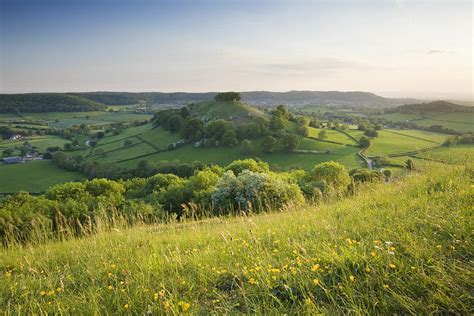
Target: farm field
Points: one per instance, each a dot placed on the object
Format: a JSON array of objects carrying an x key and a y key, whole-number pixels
[
  {"x": 332, "y": 135},
  {"x": 40, "y": 142},
  {"x": 68, "y": 119},
  {"x": 460, "y": 121},
  {"x": 392, "y": 142},
  {"x": 284, "y": 161},
  {"x": 455, "y": 154},
  {"x": 310, "y": 259},
  {"x": 34, "y": 176}
]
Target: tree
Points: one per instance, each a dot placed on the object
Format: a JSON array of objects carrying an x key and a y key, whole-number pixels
[
  {"x": 68, "y": 146},
  {"x": 303, "y": 131},
  {"x": 7, "y": 152},
  {"x": 193, "y": 129},
  {"x": 361, "y": 127},
  {"x": 371, "y": 133},
  {"x": 364, "y": 142},
  {"x": 237, "y": 166},
  {"x": 333, "y": 173},
  {"x": 246, "y": 147},
  {"x": 216, "y": 129},
  {"x": 388, "y": 174},
  {"x": 322, "y": 134},
  {"x": 184, "y": 112},
  {"x": 229, "y": 138},
  {"x": 276, "y": 123},
  {"x": 227, "y": 96},
  {"x": 289, "y": 142},
  {"x": 410, "y": 165},
  {"x": 268, "y": 144},
  {"x": 100, "y": 134},
  {"x": 175, "y": 123},
  {"x": 127, "y": 142}
]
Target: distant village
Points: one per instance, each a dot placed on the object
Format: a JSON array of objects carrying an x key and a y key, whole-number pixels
[{"x": 30, "y": 154}]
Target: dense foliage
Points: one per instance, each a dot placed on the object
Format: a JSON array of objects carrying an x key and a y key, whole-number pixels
[
  {"x": 167, "y": 188},
  {"x": 46, "y": 102}
]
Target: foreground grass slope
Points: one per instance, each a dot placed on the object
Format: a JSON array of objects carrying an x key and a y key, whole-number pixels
[{"x": 403, "y": 247}]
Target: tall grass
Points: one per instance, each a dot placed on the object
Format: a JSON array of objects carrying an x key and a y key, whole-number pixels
[{"x": 403, "y": 247}]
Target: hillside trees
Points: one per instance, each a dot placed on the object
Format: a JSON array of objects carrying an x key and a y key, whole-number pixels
[
  {"x": 246, "y": 147},
  {"x": 193, "y": 129},
  {"x": 289, "y": 142},
  {"x": 227, "y": 96},
  {"x": 268, "y": 144}
]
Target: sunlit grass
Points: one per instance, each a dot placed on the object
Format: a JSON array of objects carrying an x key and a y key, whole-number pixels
[{"x": 402, "y": 247}]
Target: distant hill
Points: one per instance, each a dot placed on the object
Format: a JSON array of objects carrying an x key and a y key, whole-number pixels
[
  {"x": 262, "y": 98},
  {"x": 88, "y": 101},
  {"x": 435, "y": 106},
  {"x": 46, "y": 102},
  {"x": 231, "y": 111}
]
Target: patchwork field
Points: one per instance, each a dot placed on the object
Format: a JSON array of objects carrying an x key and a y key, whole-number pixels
[
  {"x": 40, "y": 142},
  {"x": 460, "y": 121},
  {"x": 395, "y": 142},
  {"x": 34, "y": 176}
]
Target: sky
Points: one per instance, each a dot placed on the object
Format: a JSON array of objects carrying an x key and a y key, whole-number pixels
[{"x": 393, "y": 48}]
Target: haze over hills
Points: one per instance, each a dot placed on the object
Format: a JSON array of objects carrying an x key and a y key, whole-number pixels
[
  {"x": 38, "y": 102},
  {"x": 435, "y": 106}
]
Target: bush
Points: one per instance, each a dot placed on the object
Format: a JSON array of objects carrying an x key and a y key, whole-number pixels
[
  {"x": 238, "y": 166},
  {"x": 333, "y": 173},
  {"x": 253, "y": 191}
]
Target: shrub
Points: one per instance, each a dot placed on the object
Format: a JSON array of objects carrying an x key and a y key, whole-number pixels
[
  {"x": 333, "y": 173},
  {"x": 253, "y": 191},
  {"x": 237, "y": 166}
]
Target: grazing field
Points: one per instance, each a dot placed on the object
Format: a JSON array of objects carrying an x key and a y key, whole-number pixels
[
  {"x": 460, "y": 121},
  {"x": 392, "y": 142},
  {"x": 34, "y": 176},
  {"x": 455, "y": 154},
  {"x": 40, "y": 142},
  {"x": 278, "y": 160},
  {"x": 333, "y": 135},
  {"x": 397, "y": 248},
  {"x": 68, "y": 119}
]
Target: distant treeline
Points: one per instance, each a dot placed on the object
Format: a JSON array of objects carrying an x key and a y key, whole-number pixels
[
  {"x": 46, "y": 102},
  {"x": 436, "y": 106},
  {"x": 263, "y": 98}
]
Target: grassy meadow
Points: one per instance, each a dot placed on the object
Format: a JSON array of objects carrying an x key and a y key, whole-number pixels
[
  {"x": 402, "y": 247},
  {"x": 33, "y": 176}
]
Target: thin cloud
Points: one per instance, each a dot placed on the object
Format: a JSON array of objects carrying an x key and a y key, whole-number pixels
[
  {"x": 436, "y": 52},
  {"x": 320, "y": 65}
]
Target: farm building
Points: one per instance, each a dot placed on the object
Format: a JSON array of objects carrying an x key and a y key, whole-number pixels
[{"x": 12, "y": 160}]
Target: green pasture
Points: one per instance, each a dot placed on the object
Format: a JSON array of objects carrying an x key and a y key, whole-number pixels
[{"x": 33, "y": 176}]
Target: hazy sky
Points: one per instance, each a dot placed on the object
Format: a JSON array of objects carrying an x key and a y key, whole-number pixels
[{"x": 394, "y": 48}]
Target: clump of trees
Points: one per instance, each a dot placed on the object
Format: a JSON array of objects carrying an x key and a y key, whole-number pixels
[
  {"x": 243, "y": 186},
  {"x": 227, "y": 96},
  {"x": 463, "y": 139}
]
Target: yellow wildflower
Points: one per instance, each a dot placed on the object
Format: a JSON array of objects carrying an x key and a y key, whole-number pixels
[
  {"x": 315, "y": 268},
  {"x": 308, "y": 301},
  {"x": 126, "y": 306},
  {"x": 8, "y": 274},
  {"x": 42, "y": 293},
  {"x": 251, "y": 281},
  {"x": 113, "y": 266},
  {"x": 110, "y": 287},
  {"x": 155, "y": 296},
  {"x": 315, "y": 281},
  {"x": 166, "y": 304},
  {"x": 352, "y": 278},
  {"x": 372, "y": 254},
  {"x": 367, "y": 269},
  {"x": 392, "y": 266},
  {"x": 184, "y": 305}
]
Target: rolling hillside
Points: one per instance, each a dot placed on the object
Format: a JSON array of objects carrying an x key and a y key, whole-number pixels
[
  {"x": 397, "y": 248},
  {"x": 46, "y": 102},
  {"x": 237, "y": 112}
]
